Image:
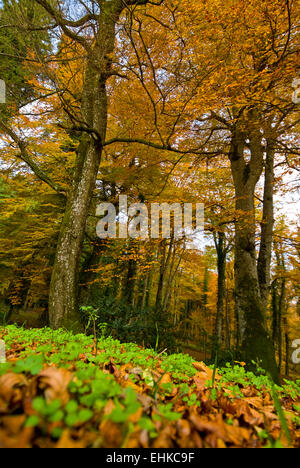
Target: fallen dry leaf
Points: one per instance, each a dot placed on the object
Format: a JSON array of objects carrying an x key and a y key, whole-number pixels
[
  {"x": 67, "y": 442},
  {"x": 11, "y": 391},
  {"x": 54, "y": 384}
]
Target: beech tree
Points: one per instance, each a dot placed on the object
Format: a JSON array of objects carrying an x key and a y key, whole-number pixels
[
  {"x": 92, "y": 123},
  {"x": 93, "y": 33},
  {"x": 252, "y": 50},
  {"x": 88, "y": 39}
]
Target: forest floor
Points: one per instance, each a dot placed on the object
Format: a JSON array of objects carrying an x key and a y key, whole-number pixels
[{"x": 58, "y": 390}]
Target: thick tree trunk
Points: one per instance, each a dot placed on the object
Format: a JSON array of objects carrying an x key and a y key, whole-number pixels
[
  {"x": 255, "y": 341},
  {"x": 63, "y": 300}
]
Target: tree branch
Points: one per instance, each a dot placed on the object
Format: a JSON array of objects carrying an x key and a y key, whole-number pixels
[
  {"x": 25, "y": 157},
  {"x": 64, "y": 23},
  {"x": 157, "y": 146}
]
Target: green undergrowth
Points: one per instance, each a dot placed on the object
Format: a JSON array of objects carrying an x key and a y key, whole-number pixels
[
  {"x": 62, "y": 348},
  {"x": 95, "y": 379},
  {"x": 37, "y": 347}
]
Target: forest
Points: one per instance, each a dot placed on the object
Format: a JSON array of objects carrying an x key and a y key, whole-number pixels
[{"x": 149, "y": 224}]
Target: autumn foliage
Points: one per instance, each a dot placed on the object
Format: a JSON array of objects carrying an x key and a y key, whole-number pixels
[{"x": 174, "y": 101}]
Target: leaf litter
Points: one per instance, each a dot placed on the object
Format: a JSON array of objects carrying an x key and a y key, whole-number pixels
[{"x": 54, "y": 395}]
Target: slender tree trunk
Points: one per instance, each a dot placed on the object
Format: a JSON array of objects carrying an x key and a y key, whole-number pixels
[
  {"x": 169, "y": 282},
  {"x": 221, "y": 255},
  {"x": 88, "y": 288},
  {"x": 164, "y": 264},
  {"x": 237, "y": 326},
  {"x": 148, "y": 292},
  {"x": 265, "y": 253},
  {"x": 205, "y": 288},
  {"x": 129, "y": 285},
  {"x": 176, "y": 300},
  {"x": 205, "y": 346},
  {"x": 287, "y": 347},
  {"x": 227, "y": 325},
  {"x": 274, "y": 311},
  {"x": 281, "y": 313},
  {"x": 172, "y": 275},
  {"x": 162, "y": 258},
  {"x": 145, "y": 290},
  {"x": 282, "y": 305}
]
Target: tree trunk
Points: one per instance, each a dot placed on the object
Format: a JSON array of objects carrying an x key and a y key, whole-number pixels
[
  {"x": 205, "y": 288},
  {"x": 165, "y": 259},
  {"x": 274, "y": 311},
  {"x": 168, "y": 288},
  {"x": 227, "y": 323},
  {"x": 63, "y": 300},
  {"x": 146, "y": 286},
  {"x": 129, "y": 285},
  {"x": 265, "y": 253},
  {"x": 255, "y": 341},
  {"x": 221, "y": 255},
  {"x": 172, "y": 275},
  {"x": 287, "y": 347},
  {"x": 281, "y": 312}
]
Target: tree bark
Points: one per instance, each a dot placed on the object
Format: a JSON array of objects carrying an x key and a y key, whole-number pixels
[
  {"x": 221, "y": 257},
  {"x": 255, "y": 341},
  {"x": 145, "y": 290},
  {"x": 165, "y": 259},
  {"x": 227, "y": 323},
  {"x": 267, "y": 225},
  {"x": 63, "y": 299},
  {"x": 287, "y": 347},
  {"x": 129, "y": 285}
]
